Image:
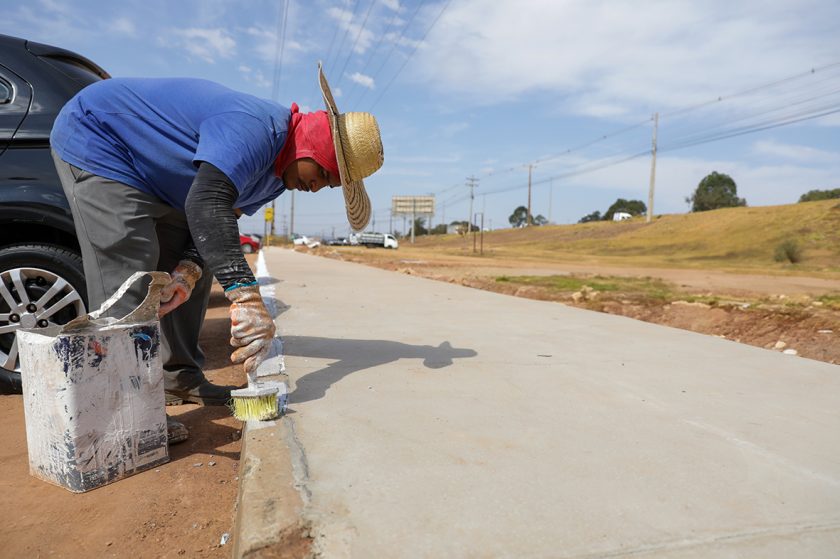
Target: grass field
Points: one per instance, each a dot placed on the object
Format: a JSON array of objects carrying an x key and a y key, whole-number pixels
[{"x": 732, "y": 239}]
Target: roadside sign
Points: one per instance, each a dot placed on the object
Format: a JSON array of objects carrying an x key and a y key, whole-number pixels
[{"x": 413, "y": 205}]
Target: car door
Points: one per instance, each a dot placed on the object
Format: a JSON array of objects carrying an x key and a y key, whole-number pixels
[{"x": 15, "y": 98}]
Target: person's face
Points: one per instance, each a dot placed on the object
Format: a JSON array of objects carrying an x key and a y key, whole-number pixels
[{"x": 306, "y": 175}]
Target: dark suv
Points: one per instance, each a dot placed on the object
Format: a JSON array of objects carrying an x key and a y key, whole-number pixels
[{"x": 41, "y": 278}]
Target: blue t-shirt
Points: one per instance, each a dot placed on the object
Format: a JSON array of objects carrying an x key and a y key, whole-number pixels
[{"x": 152, "y": 133}]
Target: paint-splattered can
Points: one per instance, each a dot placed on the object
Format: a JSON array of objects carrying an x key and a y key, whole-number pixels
[{"x": 93, "y": 395}]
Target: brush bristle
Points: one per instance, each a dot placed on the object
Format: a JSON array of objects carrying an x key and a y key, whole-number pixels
[{"x": 260, "y": 408}]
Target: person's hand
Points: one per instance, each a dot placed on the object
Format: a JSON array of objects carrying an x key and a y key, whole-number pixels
[
  {"x": 251, "y": 327},
  {"x": 178, "y": 290}
]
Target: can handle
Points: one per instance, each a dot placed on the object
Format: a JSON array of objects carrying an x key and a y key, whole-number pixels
[{"x": 145, "y": 311}]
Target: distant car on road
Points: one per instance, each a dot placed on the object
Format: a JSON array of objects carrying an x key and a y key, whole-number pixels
[
  {"x": 338, "y": 241},
  {"x": 41, "y": 278},
  {"x": 249, "y": 244}
]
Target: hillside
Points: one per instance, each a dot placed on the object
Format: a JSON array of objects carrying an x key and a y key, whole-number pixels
[{"x": 736, "y": 239}]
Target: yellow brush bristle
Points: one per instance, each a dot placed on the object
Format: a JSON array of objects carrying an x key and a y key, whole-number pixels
[{"x": 254, "y": 407}]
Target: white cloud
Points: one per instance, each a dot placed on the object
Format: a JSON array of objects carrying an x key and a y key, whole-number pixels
[
  {"x": 793, "y": 152},
  {"x": 207, "y": 44},
  {"x": 356, "y": 37},
  {"x": 392, "y": 5},
  {"x": 602, "y": 54},
  {"x": 123, "y": 26},
  {"x": 255, "y": 77},
  {"x": 265, "y": 43},
  {"x": 362, "y": 79},
  {"x": 401, "y": 40}
]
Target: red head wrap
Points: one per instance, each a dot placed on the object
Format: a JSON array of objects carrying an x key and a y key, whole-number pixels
[{"x": 309, "y": 135}]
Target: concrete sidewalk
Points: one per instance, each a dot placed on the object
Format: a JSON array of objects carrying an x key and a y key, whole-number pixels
[{"x": 433, "y": 420}]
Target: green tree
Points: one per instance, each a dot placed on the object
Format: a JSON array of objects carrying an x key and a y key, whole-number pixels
[
  {"x": 632, "y": 207},
  {"x": 814, "y": 195},
  {"x": 594, "y": 216},
  {"x": 419, "y": 227},
  {"x": 519, "y": 218},
  {"x": 716, "y": 190},
  {"x": 439, "y": 229}
]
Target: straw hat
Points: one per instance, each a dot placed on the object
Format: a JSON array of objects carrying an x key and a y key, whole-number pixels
[{"x": 358, "y": 149}]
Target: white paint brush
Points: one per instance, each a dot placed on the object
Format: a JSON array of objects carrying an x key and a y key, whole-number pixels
[{"x": 263, "y": 400}]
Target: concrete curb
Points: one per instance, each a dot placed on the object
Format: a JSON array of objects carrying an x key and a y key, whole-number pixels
[{"x": 269, "y": 506}]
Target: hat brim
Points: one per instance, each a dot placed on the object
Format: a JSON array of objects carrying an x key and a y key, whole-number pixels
[{"x": 356, "y": 201}]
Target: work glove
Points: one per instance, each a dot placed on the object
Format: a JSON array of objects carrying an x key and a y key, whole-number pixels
[
  {"x": 251, "y": 327},
  {"x": 178, "y": 290}
]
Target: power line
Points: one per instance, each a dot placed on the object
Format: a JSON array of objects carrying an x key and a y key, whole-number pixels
[
  {"x": 749, "y": 90},
  {"x": 356, "y": 42},
  {"x": 344, "y": 37},
  {"x": 279, "y": 47},
  {"x": 426, "y": 34},
  {"x": 393, "y": 47},
  {"x": 375, "y": 49}
]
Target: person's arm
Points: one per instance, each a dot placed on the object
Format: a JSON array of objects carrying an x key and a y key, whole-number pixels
[
  {"x": 184, "y": 277},
  {"x": 213, "y": 226},
  {"x": 212, "y": 221}
]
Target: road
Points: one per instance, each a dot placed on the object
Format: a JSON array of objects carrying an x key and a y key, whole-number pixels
[{"x": 435, "y": 420}]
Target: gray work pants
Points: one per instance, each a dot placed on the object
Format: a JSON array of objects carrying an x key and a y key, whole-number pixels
[{"x": 121, "y": 231}]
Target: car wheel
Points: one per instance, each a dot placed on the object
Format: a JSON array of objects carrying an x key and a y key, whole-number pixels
[
  {"x": 40, "y": 286},
  {"x": 247, "y": 249}
]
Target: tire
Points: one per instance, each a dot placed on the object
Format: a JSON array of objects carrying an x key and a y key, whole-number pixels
[
  {"x": 36, "y": 268},
  {"x": 247, "y": 249}
]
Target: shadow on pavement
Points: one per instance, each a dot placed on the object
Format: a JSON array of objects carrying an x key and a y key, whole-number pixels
[{"x": 356, "y": 355}]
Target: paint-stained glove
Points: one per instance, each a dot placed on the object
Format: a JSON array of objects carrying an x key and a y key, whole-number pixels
[
  {"x": 251, "y": 327},
  {"x": 176, "y": 292}
]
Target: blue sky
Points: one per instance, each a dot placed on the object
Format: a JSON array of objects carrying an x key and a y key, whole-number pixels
[{"x": 485, "y": 87}]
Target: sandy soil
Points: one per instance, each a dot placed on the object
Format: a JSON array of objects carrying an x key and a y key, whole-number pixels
[
  {"x": 180, "y": 509},
  {"x": 777, "y": 312}
]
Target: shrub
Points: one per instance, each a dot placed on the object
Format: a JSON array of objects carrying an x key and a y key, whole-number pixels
[{"x": 788, "y": 250}]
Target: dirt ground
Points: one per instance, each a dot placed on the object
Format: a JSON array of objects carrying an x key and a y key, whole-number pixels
[
  {"x": 776, "y": 312},
  {"x": 180, "y": 509}
]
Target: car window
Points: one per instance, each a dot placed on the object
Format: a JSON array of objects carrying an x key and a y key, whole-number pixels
[
  {"x": 5, "y": 92},
  {"x": 73, "y": 69}
]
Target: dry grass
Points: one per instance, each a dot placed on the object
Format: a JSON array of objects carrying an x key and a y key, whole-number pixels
[{"x": 734, "y": 239}]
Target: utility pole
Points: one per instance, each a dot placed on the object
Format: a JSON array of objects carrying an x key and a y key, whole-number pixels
[
  {"x": 273, "y": 202},
  {"x": 476, "y": 218},
  {"x": 265, "y": 230},
  {"x": 472, "y": 182},
  {"x": 482, "y": 233},
  {"x": 413, "y": 216},
  {"x": 528, "y": 218},
  {"x": 292, "y": 218},
  {"x": 652, "y": 168}
]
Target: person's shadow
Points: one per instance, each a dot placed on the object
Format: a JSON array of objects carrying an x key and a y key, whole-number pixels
[{"x": 356, "y": 355}]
